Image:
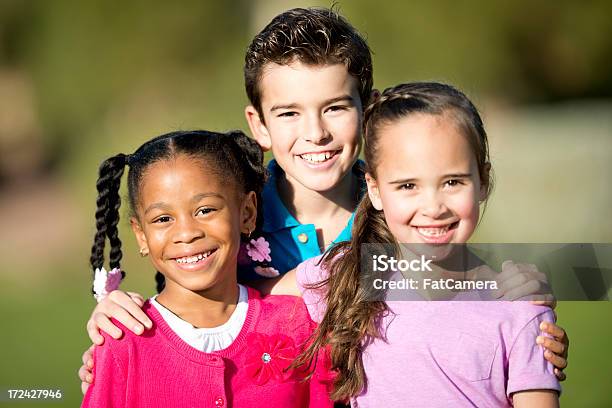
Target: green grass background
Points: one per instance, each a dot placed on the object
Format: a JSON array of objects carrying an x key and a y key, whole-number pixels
[{"x": 80, "y": 81}]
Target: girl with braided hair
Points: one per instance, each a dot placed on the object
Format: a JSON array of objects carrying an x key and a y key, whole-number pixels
[{"x": 193, "y": 197}]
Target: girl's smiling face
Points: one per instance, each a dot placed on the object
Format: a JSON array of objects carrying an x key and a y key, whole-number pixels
[
  {"x": 189, "y": 219},
  {"x": 426, "y": 180}
]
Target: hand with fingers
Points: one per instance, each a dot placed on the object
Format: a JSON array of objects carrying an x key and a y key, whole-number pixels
[
  {"x": 556, "y": 347},
  {"x": 520, "y": 281},
  {"x": 122, "y": 306},
  {"x": 524, "y": 281}
]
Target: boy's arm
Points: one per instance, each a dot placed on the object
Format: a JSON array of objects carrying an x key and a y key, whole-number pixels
[
  {"x": 286, "y": 284},
  {"x": 536, "y": 399},
  {"x": 124, "y": 307}
]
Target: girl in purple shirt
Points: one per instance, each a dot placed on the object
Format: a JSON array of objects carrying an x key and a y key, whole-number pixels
[{"x": 428, "y": 171}]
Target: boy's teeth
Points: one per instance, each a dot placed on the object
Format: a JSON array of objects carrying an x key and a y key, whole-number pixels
[
  {"x": 193, "y": 259},
  {"x": 433, "y": 232},
  {"x": 317, "y": 157}
]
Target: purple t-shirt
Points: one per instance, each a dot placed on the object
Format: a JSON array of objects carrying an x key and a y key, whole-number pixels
[{"x": 447, "y": 353}]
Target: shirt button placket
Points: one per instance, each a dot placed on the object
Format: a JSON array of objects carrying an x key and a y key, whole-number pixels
[{"x": 217, "y": 362}]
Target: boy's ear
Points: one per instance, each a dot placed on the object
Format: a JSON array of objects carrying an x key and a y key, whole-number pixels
[
  {"x": 248, "y": 216},
  {"x": 258, "y": 128},
  {"x": 140, "y": 236},
  {"x": 373, "y": 192},
  {"x": 485, "y": 188}
]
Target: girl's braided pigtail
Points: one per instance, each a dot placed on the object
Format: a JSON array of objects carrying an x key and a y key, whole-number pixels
[{"x": 107, "y": 215}]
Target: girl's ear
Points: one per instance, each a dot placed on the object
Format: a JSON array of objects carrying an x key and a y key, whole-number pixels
[
  {"x": 140, "y": 235},
  {"x": 373, "y": 192},
  {"x": 485, "y": 187},
  {"x": 248, "y": 213},
  {"x": 375, "y": 94},
  {"x": 258, "y": 128}
]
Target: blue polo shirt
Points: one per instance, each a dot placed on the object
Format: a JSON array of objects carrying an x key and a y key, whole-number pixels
[{"x": 291, "y": 242}]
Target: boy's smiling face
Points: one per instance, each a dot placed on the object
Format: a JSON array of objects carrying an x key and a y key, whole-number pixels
[{"x": 311, "y": 122}]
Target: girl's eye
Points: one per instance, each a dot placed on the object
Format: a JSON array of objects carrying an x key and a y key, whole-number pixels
[
  {"x": 453, "y": 182},
  {"x": 162, "y": 219},
  {"x": 408, "y": 186},
  {"x": 205, "y": 211}
]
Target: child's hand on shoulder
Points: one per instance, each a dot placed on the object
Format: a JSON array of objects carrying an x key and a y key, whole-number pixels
[
  {"x": 518, "y": 280},
  {"x": 122, "y": 306}
]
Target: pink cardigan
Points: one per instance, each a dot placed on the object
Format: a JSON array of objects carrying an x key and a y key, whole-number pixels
[{"x": 158, "y": 369}]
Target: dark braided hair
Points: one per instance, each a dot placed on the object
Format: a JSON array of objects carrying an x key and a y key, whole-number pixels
[{"x": 233, "y": 155}]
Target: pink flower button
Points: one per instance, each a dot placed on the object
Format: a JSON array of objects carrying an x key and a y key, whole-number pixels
[{"x": 268, "y": 357}]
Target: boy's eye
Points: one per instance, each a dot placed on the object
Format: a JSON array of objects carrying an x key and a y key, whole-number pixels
[
  {"x": 336, "y": 108},
  {"x": 287, "y": 114}
]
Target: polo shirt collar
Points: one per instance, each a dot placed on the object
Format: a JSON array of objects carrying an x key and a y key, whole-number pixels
[{"x": 275, "y": 214}]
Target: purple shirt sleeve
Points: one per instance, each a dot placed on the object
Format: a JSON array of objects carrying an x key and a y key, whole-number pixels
[
  {"x": 527, "y": 367},
  {"x": 310, "y": 273}
]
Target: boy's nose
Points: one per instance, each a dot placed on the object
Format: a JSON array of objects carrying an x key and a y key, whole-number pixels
[
  {"x": 315, "y": 131},
  {"x": 187, "y": 231}
]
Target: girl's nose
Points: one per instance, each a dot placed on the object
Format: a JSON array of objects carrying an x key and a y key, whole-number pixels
[
  {"x": 187, "y": 230},
  {"x": 433, "y": 206}
]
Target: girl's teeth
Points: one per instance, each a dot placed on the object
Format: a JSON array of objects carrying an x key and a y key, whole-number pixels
[
  {"x": 193, "y": 259},
  {"x": 317, "y": 157},
  {"x": 433, "y": 232}
]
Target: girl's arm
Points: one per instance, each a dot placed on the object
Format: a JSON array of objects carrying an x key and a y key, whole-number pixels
[
  {"x": 286, "y": 284},
  {"x": 536, "y": 399}
]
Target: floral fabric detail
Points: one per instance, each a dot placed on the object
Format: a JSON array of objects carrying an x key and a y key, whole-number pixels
[
  {"x": 268, "y": 357},
  {"x": 257, "y": 253},
  {"x": 105, "y": 282},
  {"x": 259, "y": 250}
]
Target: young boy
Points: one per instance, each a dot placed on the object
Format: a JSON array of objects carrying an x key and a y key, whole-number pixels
[{"x": 308, "y": 75}]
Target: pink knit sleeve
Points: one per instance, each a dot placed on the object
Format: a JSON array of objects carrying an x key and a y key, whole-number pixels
[
  {"x": 321, "y": 382},
  {"x": 108, "y": 388}
]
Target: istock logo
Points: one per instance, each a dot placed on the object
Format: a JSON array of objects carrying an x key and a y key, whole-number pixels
[{"x": 384, "y": 263}]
